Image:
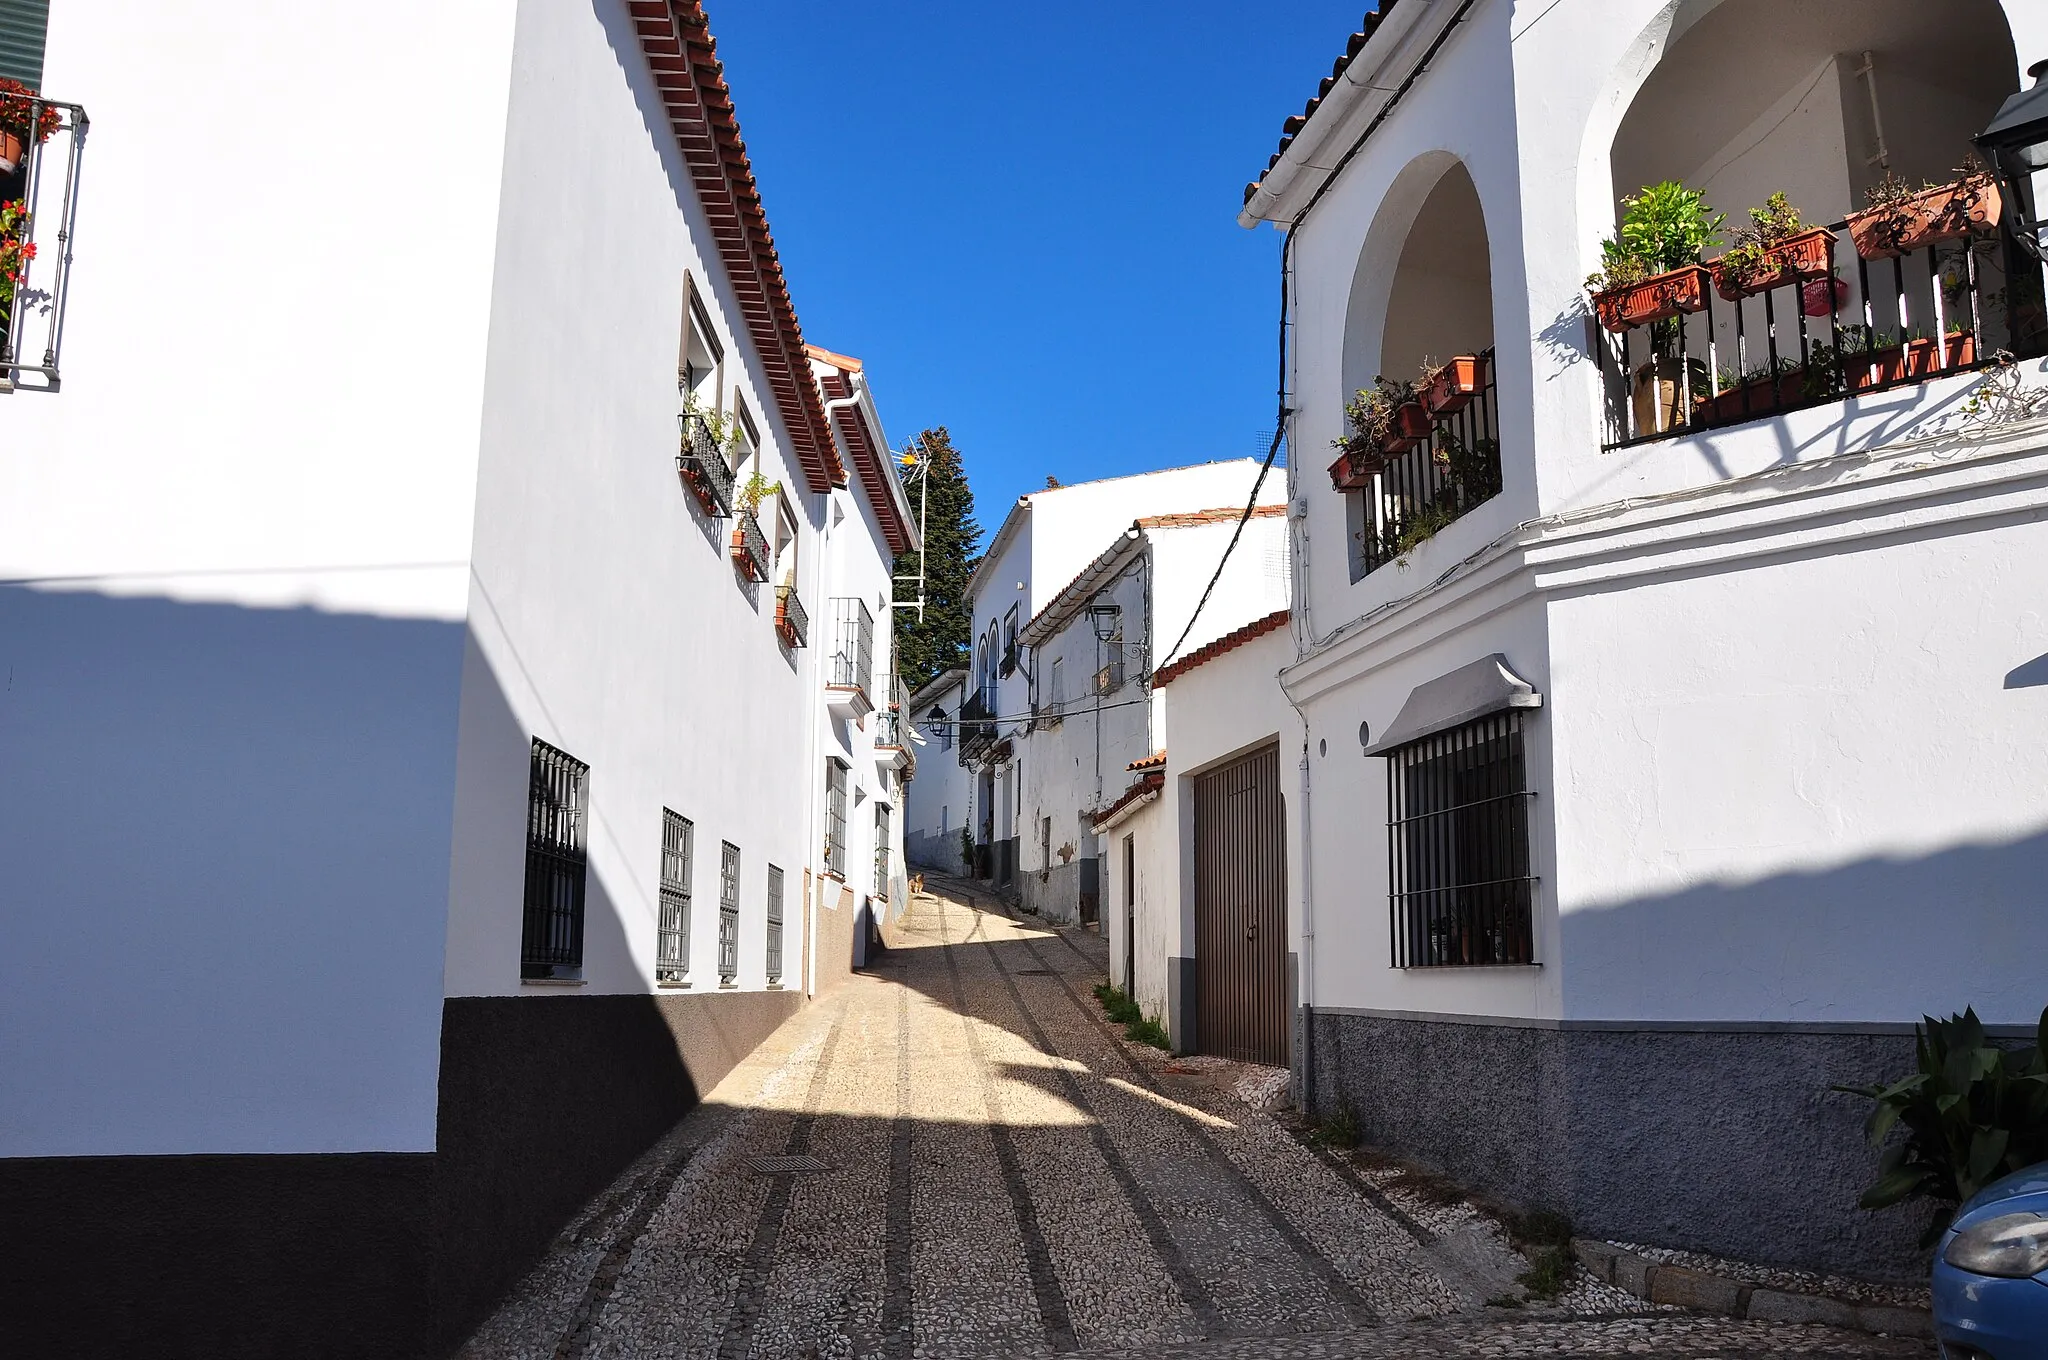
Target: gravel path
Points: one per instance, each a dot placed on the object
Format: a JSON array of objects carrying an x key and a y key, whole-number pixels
[{"x": 1003, "y": 1175}]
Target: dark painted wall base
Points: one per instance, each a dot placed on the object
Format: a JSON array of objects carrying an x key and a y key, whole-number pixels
[
  {"x": 1725, "y": 1142},
  {"x": 544, "y": 1100}
]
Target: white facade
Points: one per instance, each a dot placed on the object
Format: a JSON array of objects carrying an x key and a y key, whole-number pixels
[
  {"x": 936, "y": 804},
  {"x": 1048, "y": 539},
  {"x": 1789, "y": 775},
  {"x": 313, "y": 544}
]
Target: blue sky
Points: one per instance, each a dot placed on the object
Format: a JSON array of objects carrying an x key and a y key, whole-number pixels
[{"x": 1024, "y": 217}]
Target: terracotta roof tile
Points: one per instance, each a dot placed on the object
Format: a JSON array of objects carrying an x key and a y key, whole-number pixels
[
  {"x": 1157, "y": 760},
  {"x": 676, "y": 38},
  {"x": 1150, "y": 783},
  {"x": 1296, "y": 122},
  {"x": 1187, "y": 519},
  {"x": 1258, "y": 628},
  {"x": 868, "y": 454}
]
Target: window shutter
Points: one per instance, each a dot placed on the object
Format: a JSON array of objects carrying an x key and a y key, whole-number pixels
[{"x": 23, "y": 25}]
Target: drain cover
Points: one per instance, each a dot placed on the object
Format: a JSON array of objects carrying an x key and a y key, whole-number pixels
[
  {"x": 783, "y": 1165},
  {"x": 1032, "y": 972}
]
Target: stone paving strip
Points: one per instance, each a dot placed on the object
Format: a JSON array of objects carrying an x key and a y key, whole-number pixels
[{"x": 1003, "y": 1175}]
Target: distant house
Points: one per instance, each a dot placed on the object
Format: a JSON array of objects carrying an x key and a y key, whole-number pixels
[
  {"x": 1048, "y": 540},
  {"x": 422, "y": 556},
  {"x": 937, "y": 806},
  {"x": 1675, "y": 730}
]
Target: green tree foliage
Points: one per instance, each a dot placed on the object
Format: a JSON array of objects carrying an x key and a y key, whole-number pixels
[{"x": 952, "y": 541}]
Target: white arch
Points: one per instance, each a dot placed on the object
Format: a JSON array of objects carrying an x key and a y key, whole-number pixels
[{"x": 1379, "y": 261}]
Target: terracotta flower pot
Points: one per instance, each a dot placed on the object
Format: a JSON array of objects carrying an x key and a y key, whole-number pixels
[
  {"x": 1354, "y": 471},
  {"x": 1412, "y": 426},
  {"x": 1654, "y": 299},
  {"x": 12, "y": 149},
  {"x": 1750, "y": 400},
  {"x": 1795, "y": 257},
  {"x": 1454, "y": 386},
  {"x": 1962, "y": 349},
  {"x": 1653, "y": 392},
  {"x": 1943, "y": 214}
]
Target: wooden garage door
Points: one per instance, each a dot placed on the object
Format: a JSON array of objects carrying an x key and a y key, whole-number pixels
[{"x": 1241, "y": 911}]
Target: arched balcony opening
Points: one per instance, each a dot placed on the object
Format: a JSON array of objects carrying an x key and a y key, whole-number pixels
[
  {"x": 1420, "y": 447},
  {"x": 1824, "y": 102}
]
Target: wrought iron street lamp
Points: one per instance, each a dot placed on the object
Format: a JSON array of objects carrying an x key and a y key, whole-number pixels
[{"x": 2017, "y": 143}]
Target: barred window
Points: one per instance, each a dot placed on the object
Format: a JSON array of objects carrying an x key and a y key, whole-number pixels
[
  {"x": 551, "y": 934},
  {"x": 774, "y": 925},
  {"x": 835, "y": 817},
  {"x": 881, "y": 849},
  {"x": 728, "y": 913},
  {"x": 1458, "y": 847},
  {"x": 672, "y": 934}
]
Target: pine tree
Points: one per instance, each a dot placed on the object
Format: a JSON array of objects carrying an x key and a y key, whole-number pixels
[{"x": 941, "y": 640}]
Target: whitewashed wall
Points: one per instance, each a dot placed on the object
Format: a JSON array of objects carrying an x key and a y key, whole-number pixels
[
  {"x": 937, "y": 803},
  {"x": 236, "y": 550}
]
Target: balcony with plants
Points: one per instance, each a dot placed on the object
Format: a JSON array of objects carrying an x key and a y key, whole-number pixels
[
  {"x": 751, "y": 554},
  {"x": 792, "y": 622},
  {"x": 1865, "y": 251},
  {"x": 1418, "y": 453},
  {"x": 42, "y": 142},
  {"x": 977, "y": 726},
  {"x": 705, "y": 462}
]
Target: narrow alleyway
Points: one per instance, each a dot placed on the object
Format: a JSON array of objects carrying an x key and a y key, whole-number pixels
[{"x": 954, "y": 1156}]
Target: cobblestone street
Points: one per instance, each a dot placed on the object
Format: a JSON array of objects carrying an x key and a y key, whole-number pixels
[{"x": 953, "y": 1155}]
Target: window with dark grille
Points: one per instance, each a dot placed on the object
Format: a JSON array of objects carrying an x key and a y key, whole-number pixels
[
  {"x": 728, "y": 912},
  {"x": 672, "y": 934},
  {"x": 774, "y": 925},
  {"x": 1458, "y": 847},
  {"x": 557, "y": 794},
  {"x": 835, "y": 817},
  {"x": 881, "y": 849}
]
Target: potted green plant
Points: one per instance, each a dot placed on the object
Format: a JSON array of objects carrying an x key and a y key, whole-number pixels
[
  {"x": 749, "y": 544},
  {"x": 1650, "y": 275},
  {"x": 16, "y": 251},
  {"x": 1449, "y": 387},
  {"x": 1902, "y": 218},
  {"x": 1650, "y": 269},
  {"x": 1775, "y": 248},
  {"x": 1763, "y": 390},
  {"x": 17, "y": 106},
  {"x": 1382, "y": 423}
]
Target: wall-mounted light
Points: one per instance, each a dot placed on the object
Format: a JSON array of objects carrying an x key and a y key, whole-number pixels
[{"x": 1104, "y": 618}]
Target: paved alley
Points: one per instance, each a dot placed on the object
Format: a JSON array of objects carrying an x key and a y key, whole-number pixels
[{"x": 953, "y": 1155}]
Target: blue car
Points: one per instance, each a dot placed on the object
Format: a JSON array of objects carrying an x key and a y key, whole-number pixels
[{"x": 1991, "y": 1273}]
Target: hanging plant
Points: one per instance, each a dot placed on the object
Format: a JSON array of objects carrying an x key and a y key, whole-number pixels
[
  {"x": 1903, "y": 218},
  {"x": 16, "y": 251},
  {"x": 16, "y": 108},
  {"x": 1776, "y": 247}
]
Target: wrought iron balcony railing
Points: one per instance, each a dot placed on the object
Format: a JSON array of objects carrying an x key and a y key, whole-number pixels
[
  {"x": 38, "y": 210},
  {"x": 977, "y": 730},
  {"x": 1833, "y": 314},
  {"x": 703, "y": 466},
  {"x": 790, "y": 619},
  {"x": 853, "y": 644},
  {"x": 750, "y": 547},
  {"x": 888, "y": 730}
]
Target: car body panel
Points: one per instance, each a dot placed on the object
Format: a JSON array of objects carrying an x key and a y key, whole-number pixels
[{"x": 2005, "y": 1319}]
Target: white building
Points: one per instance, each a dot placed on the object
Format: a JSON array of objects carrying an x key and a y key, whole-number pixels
[
  {"x": 1046, "y": 540},
  {"x": 1682, "y": 770},
  {"x": 1201, "y": 855},
  {"x": 937, "y": 806},
  {"x": 1090, "y": 656},
  {"x": 419, "y": 779}
]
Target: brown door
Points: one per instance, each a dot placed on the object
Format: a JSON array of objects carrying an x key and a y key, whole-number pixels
[{"x": 1241, "y": 911}]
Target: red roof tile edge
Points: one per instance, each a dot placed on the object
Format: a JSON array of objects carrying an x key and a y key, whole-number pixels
[
  {"x": 867, "y": 455},
  {"x": 1257, "y": 628},
  {"x": 1188, "y": 519},
  {"x": 1150, "y": 783},
  {"x": 676, "y": 38},
  {"x": 1151, "y": 762},
  {"x": 1296, "y": 122}
]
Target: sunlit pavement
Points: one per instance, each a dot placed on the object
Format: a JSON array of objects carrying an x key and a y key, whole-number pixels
[{"x": 953, "y": 1155}]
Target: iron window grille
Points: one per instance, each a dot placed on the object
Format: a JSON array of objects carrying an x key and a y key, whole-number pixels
[
  {"x": 703, "y": 465},
  {"x": 672, "y": 933},
  {"x": 1458, "y": 847},
  {"x": 853, "y": 643},
  {"x": 774, "y": 928},
  {"x": 835, "y": 817},
  {"x": 882, "y": 850},
  {"x": 45, "y": 185},
  {"x": 728, "y": 913},
  {"x": 557, "y": 797}
]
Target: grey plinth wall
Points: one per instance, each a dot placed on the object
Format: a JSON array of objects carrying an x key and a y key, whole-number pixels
[
  {"x": 940, "y": 852},
  {"x": 1724, "y": 1141}
]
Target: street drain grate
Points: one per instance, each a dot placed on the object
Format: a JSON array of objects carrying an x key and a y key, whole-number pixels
[
  {"x": 1031, "y": 972},
  {"x": 781, "y": 1165}
]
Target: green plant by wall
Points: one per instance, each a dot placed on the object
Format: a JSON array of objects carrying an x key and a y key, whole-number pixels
[
  {"x": 1972, "y": 1113},
  {"x": 1663, "y": 227},
  {"x": 1148, "y": 1031},
  {"x": 755, "y": 490},
  {"x": 967, "y": 849}
]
